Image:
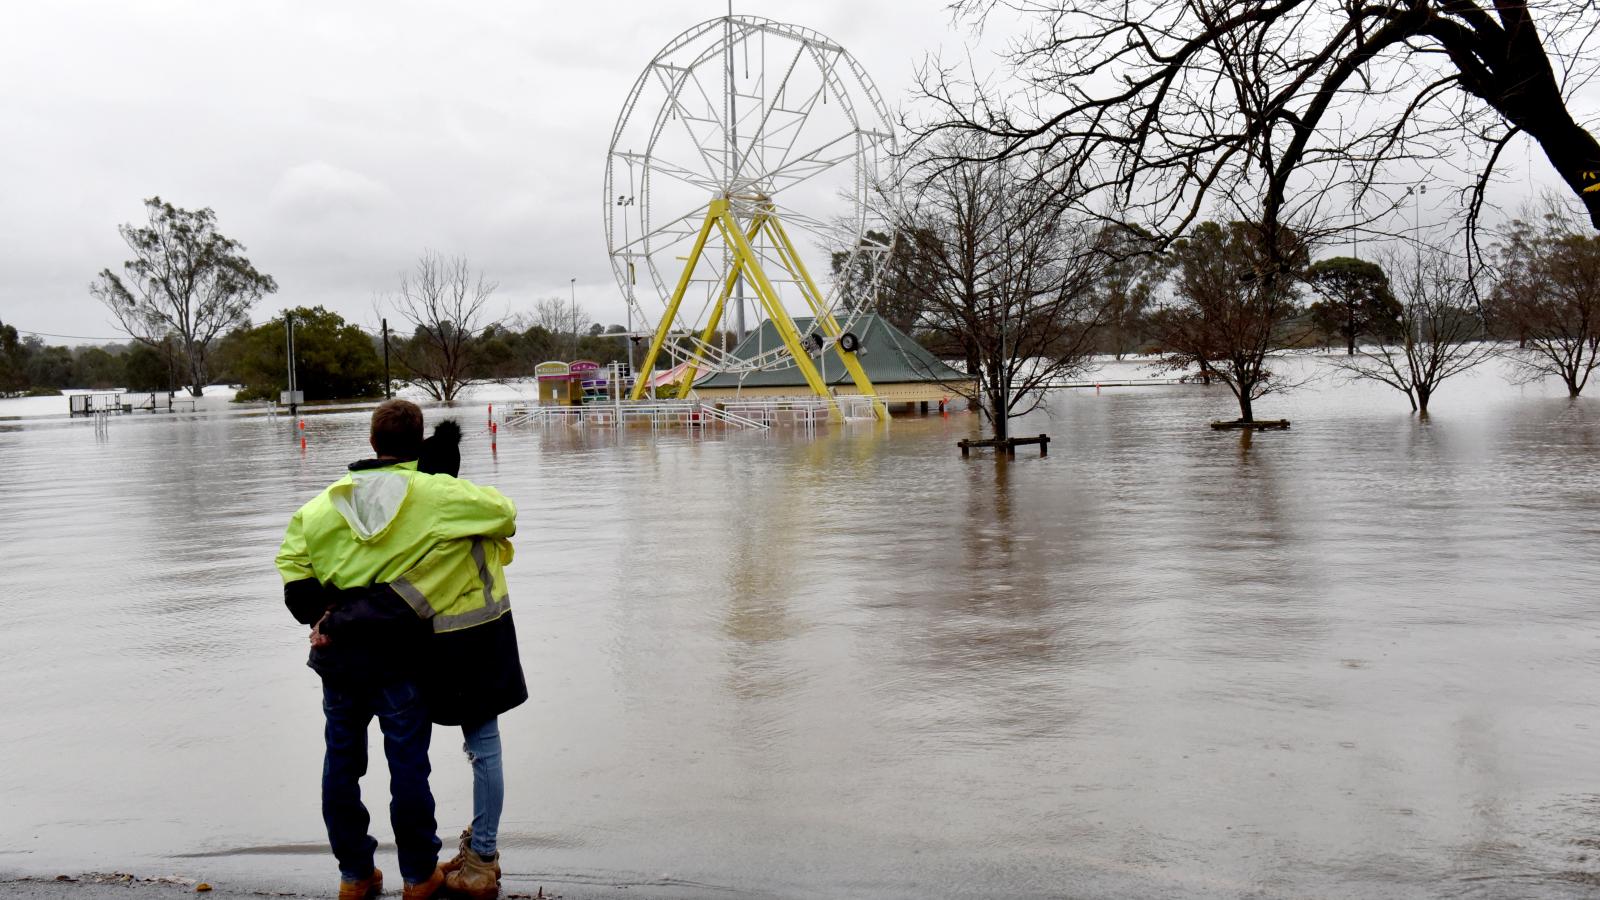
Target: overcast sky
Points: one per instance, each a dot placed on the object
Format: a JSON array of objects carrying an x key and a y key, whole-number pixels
[{"x": 336, "y": 141}]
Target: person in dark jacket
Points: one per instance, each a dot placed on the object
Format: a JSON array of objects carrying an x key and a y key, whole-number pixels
[
  {"x": 485, "y": 680},
  {"x": 378, "y": 523}
]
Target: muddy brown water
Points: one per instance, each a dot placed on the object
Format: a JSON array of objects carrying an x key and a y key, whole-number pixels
[{"x": 1358, "y": 658}]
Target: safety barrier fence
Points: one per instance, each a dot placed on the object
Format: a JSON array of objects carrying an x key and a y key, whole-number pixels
[
  {"x": 654, "y": 414},
  {"x": 757, "y": 414}
]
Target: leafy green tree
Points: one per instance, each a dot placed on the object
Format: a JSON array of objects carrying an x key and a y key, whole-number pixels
[
  {"x": 885, "y": 272},
  {"x": 148, "y": 369},
  {"x": 187, "y": 283},
  {"x": 13, "y": 361},
  {"x": 1130, "y": 271},
  {"x": 49, "y": 367},
  {"x": 1234, "y": 300},
  {"x": 1356, "y": 300},
  {"x": 97, "y": 368},
  {"x": 334, "y": 360},
  {"x": 603, "y": 348}
]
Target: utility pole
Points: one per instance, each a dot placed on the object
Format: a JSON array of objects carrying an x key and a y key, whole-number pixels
[
  {"x": 388, "y": 385},
  {"x": 288, "y": 324},
  {"x": 572, "y": 313}
]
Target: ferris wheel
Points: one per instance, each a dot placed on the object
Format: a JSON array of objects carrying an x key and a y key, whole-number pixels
[{"x": 741, "y": 177}]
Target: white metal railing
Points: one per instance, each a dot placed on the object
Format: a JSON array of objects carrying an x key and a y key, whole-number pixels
[
  {"x": 731, "y": 418},
  {"x": 654, "y": 413},
  {"x": 754, "y": 413}
]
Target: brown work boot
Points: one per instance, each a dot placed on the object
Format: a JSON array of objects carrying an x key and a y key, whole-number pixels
[
  {"x": 424, "y": 890},
  {"x": 365, "y": 889},
  {"x": 477, "y": 879},
  {"x": 453, "y": 864}
]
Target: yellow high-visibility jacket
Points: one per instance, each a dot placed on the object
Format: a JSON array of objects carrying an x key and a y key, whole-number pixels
[{"x": 439, "y": 541}]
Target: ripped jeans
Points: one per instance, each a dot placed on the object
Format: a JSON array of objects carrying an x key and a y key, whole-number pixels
[{"x": 488, "y": 784}]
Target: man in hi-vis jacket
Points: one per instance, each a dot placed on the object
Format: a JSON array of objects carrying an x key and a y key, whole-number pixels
[{"x": 375, "y": 525}]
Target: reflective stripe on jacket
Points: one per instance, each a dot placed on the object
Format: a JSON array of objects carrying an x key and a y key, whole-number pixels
[{"x": 459, "y": 584}]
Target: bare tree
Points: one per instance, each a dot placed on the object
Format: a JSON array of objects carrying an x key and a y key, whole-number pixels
[
  {"x": 1172, "y": 106},
  {"x": 1008, "y": 282},
  {"x": 446, "y": 306},
  {"x": 1441, "y": 332},
  {"x": 186, "y": 285},
  {"x": 566, "y": 319},
  {"x": 1548, "y": 293},
  {"x": 1232, "y": 306}
]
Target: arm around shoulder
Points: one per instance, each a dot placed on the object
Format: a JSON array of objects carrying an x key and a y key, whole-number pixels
[{"x": 471, "y": 509}]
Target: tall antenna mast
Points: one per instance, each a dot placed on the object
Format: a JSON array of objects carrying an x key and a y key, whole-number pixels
[{"x": 733, "y": 162}]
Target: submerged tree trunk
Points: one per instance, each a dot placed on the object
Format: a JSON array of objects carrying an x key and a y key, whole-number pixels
[
  {"x": 1001, "y": 416},
  {"x": 196, "y": 377},
  {"x": 1419, "y": 404},
  {"x": 1246, "y": 411}
]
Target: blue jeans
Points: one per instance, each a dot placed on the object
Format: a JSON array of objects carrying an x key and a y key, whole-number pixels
[
  {"x": 488, "y": 784},
  {"x": 406, "y": 732}
]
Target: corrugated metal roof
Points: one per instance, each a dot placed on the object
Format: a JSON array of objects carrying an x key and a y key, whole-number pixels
[{"x": 888, "y": 355}]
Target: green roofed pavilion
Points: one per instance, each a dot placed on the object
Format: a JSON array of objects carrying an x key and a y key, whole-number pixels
[{"x": 900, "y": 369}]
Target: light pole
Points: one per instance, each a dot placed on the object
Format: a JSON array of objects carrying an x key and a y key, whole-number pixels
[
  {"x": 1415, "y": 193},
  {"x": 572, "y": 314},
  {"x": 626, "y": 201}
]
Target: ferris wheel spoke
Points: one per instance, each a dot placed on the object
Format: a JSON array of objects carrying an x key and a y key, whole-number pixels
[
  {"x": 674, "y": 87},
  {"x": 821, "y": 158},
  {"x": 671, "y": 225},
  {"x": 715, "y": 115},
  {"x": 681, "y": 173},
  {"x": 767, "y": 110}
]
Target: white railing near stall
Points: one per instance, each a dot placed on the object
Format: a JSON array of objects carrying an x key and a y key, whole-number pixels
[{"x": 753, "y": 413}]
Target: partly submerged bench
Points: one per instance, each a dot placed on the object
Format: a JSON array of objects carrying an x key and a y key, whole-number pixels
[{"x": 1007, "y": 444}]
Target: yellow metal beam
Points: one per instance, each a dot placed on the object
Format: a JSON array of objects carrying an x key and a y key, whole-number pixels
[
  {"x": 719, "y": 208},
  {"x": 716, "y": 314},
  {"x": 791, "y": 260},
  {"x": 781, "y": 321}
]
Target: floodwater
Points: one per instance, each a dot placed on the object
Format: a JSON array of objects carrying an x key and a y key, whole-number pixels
[{"x": 1358, "y": 658}]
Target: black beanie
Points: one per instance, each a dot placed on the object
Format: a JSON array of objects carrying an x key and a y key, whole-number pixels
[{"x": 441, "y": 453}]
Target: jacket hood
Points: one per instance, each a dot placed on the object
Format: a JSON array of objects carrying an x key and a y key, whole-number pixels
[{"x": 369, "y": 499}]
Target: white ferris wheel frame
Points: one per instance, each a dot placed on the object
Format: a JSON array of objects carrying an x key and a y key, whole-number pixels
[{"x": 649, "y": 236}]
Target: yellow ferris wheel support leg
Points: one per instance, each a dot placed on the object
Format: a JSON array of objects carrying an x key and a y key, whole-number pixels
[
  {"x": 718, "y": 209},
  {"x": 830, "y": 326},
  {"x": 716, "y": 314},
  {"x": 746, "y": 257}
]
